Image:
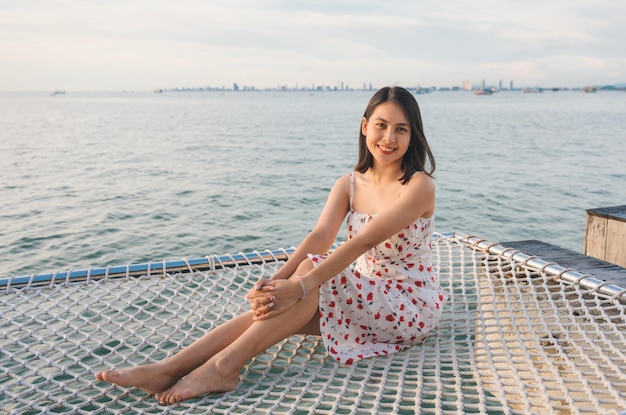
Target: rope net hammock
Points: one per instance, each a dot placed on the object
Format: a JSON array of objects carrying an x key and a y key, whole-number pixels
[{"x": 518, "y": 336}]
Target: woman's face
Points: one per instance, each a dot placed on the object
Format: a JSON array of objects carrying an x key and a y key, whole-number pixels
[{"x": 387, "y": 133}]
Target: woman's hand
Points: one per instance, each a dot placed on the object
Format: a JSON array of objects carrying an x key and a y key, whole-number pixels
[
  {"x": 269, "y": 298},
  {"x": 261, "y": 299}
]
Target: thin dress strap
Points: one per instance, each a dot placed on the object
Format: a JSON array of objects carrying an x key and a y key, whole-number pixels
[{"x": 351, "y": 189}]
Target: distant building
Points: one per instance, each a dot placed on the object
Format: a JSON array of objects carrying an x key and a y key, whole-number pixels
[{"x": 466, "y": 85}]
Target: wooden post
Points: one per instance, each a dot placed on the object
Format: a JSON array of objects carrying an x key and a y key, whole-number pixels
[{"x": 605, "y": 234}]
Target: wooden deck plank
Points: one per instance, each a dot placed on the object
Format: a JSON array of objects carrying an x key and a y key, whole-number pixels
[
  {"x": 566, "y": 258},
  {"x": 605, "y": 234}
]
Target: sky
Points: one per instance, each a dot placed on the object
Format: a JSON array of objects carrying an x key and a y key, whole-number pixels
[{"x": 149, "y": 44}]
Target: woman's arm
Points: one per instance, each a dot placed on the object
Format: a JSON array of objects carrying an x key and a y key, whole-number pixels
[
  {"x": 416, "y": 200},
  {"x": 324, "y": 234}
]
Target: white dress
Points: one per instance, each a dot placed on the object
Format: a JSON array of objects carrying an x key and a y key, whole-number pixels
[{"x": 389, "y": 299}]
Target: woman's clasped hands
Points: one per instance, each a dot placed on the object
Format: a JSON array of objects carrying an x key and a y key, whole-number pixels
[{"x": 269, "y": 298}]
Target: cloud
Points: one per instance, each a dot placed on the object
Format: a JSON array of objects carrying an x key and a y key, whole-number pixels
[{"x": 137, "y": 44}]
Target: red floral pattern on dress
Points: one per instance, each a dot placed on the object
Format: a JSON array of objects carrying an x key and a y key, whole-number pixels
[{"x": 389, "y": 299}]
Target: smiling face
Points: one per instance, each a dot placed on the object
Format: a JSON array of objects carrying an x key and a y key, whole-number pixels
[
  {"x": 394, "y": 108},
  {"x": 387, "y": 133}
]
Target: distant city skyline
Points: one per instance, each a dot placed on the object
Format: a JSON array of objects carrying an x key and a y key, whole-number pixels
[
  {"x": 118, "y": 45},
  {"x": 341, "y": 86}
]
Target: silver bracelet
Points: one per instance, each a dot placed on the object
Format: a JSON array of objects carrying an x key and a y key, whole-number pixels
[{"x": 299, "y": 278}]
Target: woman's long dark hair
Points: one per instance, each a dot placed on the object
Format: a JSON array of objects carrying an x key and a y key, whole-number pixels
[{"x": 418, "y": 157}]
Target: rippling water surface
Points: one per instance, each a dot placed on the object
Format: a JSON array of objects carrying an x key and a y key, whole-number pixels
[{"x": 115, "y": 178}]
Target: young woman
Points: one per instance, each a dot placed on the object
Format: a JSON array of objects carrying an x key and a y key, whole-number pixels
[{"x": 375, "y": 294}]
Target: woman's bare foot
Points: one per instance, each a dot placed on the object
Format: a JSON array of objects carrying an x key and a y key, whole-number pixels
[
  {"x": 205, "y": 379},
  {"x": 149, "y": 378}
]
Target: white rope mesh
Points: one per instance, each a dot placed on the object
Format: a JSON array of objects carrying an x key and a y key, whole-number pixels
[{"x": 514, "y": 339}]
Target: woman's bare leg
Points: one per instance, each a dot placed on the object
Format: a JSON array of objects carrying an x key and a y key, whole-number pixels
[
  {"x": 154, "y": 378},
  {"x": 158, "y": 377},
  {"x": 221, "y": 372}
]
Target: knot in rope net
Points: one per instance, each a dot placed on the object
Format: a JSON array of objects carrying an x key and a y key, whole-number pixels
[{"x": 518, "y": 336}]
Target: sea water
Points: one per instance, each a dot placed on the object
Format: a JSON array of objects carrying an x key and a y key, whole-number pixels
[{"x": 111, "y": 178}]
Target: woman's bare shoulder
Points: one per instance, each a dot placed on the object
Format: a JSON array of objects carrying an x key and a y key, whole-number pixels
[
  {"x": 422, "y": 180},
  {"x": 419, "y": 194},
  {"x": 343, "y": 182}
]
